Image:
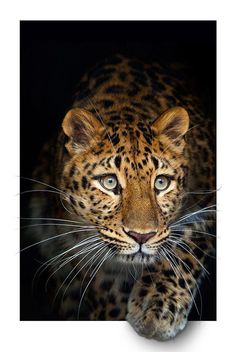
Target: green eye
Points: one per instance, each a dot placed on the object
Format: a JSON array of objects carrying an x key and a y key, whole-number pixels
[
  {"x": 162, "y": 182},
  {"x": 109, "y": 182}
]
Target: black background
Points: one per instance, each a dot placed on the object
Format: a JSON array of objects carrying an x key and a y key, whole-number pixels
[{"x": 54, "y": 55}]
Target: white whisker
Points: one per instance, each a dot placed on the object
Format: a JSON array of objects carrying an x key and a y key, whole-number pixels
[
  {"x": 54, "y": 237},
  {"x": 87, "y": 253},
  {"x": 169, "y": 250},
  {"x": 42, "y": 183},
  {"x": 52, "y": 219},
  {"x": 107, "y": 255},
  {"x": 200, "y": 211},
  {"x": 193, "y": 256},
  {"x": 63, "y": 225},
  {"x": 49, "y": 262},
  {"x": 195, "y": 231}
]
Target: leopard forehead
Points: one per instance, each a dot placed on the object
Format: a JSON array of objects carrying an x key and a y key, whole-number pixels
[
  {"x": 121, "y": 135},
  {"x": 135, "y": 143},
  {"x": 130, "y": 144}
]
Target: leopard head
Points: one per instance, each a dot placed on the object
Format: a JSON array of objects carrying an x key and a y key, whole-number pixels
[{"x": 126, "y": 177}]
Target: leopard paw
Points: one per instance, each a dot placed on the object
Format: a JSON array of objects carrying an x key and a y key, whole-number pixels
[{"x": 160, "y": 324}]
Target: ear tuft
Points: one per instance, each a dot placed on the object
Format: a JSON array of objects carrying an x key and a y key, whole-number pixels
[
  {"x": 81, "y": 127},
  {"x": 173, "y": 123}
]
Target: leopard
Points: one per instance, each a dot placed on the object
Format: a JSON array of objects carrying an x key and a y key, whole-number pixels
[{"x": 125, "y": 192}]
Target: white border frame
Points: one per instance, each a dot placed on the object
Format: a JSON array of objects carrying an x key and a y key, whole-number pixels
[{"x": 115, "y": 336}]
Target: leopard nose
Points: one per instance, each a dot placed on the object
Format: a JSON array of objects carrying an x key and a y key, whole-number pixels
[{"x": 141, "y": 237}]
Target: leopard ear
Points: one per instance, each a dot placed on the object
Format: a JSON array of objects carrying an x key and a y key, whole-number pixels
[
  {"x": 82, "y": 128},
  {"x": 173, "y": 123}
]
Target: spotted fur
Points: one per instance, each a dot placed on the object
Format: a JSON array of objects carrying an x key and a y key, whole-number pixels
[{"x": 134, "y": 121}]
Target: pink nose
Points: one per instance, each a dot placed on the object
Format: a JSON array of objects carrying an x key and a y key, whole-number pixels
[{"x": 141, "y": 237}]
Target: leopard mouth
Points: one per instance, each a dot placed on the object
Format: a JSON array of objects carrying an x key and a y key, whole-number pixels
[
  {"x": 134, "y": 252},
  {"x": 141, "y": 255}
]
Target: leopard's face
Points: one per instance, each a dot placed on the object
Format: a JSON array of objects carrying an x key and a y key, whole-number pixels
[{"x": 129, "y": 183}]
